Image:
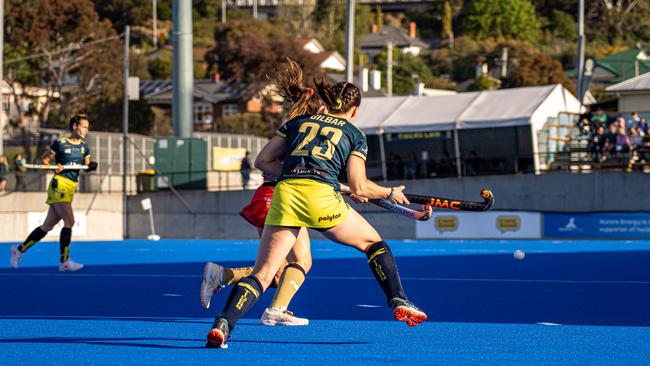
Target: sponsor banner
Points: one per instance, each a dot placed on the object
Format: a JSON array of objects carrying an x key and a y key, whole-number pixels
[
  {"x": 480, "y": 225},
  {"x": 610, "y": 225},
  {"x": 35, "y": 219},
  {"x": 227, "y": 158}
]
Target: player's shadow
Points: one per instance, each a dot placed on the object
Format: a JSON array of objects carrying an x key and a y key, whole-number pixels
[{"x": 137, "y": 342}]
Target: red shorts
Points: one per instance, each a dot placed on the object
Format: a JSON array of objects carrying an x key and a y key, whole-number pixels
[{"x": 256, "y": 210}]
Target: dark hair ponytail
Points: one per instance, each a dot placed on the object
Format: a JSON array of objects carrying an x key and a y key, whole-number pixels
[
  {"x": 76, "y": 119},
  {"x": 287, "y": 77},
  {"x": 340, "y": 97}
]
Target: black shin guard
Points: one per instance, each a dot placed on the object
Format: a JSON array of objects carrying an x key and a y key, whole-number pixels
[
  {"x": 242, "y": 297},
  {"x": 383, "y": 266},
  {"x": 34, "y": 237},
  {"x": 64, "y": 243}
]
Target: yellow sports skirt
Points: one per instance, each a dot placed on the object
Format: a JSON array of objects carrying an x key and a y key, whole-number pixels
[
  {"x": 61, "y": 189},
  {"x": 306, "y": 203}
]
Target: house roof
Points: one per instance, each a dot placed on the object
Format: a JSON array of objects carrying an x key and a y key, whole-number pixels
[
  {"x": 398, "y": 36},
  {"x": 622, "y": 65},
  {"x": 204, "y": 89},
  {"x": 639, "y": 83}
]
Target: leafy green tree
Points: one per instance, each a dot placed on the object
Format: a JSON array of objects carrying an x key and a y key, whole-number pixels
[
  {"x": 160, "y": 68},
  {"x": 564, "y": 26},
  {"x": 408, "y": 70},
  {"x": 500, "y": 19}
]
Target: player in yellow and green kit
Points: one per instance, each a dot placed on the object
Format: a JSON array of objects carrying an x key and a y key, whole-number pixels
[{"x": 65, "y": 151}]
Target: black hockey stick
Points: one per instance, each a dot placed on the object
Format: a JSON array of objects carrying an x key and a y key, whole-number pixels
[{"x": 454, "y": 204}]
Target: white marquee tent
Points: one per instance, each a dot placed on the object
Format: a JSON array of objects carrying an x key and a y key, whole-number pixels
[{"x": 527, "y": 106}]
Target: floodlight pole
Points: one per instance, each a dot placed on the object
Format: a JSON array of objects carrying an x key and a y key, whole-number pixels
[
  {"x": 155, "y": 25},
  {"x": 125, "y": 131},
  {"x": 389, "y": 69},
  {"x": 349, "y": 53},
  {"x": 223, "y": 11},
  {"x": 581, "y": 48}
]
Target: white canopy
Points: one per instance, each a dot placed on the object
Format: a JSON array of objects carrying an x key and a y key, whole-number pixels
[{"x": 487, "y": 109}]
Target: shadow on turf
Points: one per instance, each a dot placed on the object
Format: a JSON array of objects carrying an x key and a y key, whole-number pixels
[{"x": 127, "y": 342}]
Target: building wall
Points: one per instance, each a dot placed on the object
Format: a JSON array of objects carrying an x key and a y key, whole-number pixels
[
  {"x": 19, "y": 213},
  {"x": 215, "y": 215},
  {"x": 628, "y": 103}
]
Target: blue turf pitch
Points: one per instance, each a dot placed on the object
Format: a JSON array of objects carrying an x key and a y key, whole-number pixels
[{"x": 577, "y": 303}]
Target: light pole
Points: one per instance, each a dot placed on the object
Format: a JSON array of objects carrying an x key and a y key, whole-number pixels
[
  {"x": 349, "y": 67},
  {"x": 155, "y": 25}
]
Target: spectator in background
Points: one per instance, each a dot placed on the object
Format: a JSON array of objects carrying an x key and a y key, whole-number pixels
[
  {"x": 472, "y": 163},
  {"x": 4, "y": 173},
  {"x": 636, "y": 138},
  {"x": 643, "y": 125},
  {"x": 633, "y": 121},
  {"x": 598, "y": 119},
  {"x": 19, "y": 165},
  {"x": 411, "y": 166},
  {"x": 245, "y": 170},
  {"x": 445, "y": 167},
  {"x": 597, "y": 143},
  {"x": 623, "y": 145}
]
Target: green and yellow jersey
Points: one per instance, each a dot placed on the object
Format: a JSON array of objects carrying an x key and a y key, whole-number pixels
[
  {"x": 319, "y": 147},
  {"x": 70, "y": 153}
]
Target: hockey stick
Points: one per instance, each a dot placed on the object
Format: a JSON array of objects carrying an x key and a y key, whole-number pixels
[
  {"x": 452, "y": 204},
  {"x": 55, "y": 167},
  {"x": 401, "y": 210},
  {"x": 397, "y": 209},
  {"x": 88, "y": 168}
]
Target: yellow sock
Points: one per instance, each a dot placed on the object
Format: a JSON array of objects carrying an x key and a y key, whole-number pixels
[
  {"x": 233, "y": 275},
  {"x": 291, "y": 280}
]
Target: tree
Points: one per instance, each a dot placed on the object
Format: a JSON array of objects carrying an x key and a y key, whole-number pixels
[
  {"x": 619, "y": 20},
  {"x": 500, "y": 19},
  {"x": 407, "y": 71},
  {"x": 248, "y": 50},
  {"x": 527, "y": 66},
  {"x": 71, "y": 43}
]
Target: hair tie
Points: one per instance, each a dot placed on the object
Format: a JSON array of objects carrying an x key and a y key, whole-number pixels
[
  {"x": 310, "y": 91},
  {"x": 339, "y": 104}
]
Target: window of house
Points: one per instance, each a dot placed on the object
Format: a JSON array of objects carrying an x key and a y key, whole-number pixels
[
  {"x": 230, "y": 109},
  {"x": 203, "y": 113}
]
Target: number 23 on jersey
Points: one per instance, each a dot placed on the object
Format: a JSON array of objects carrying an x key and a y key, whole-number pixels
[{"x": 329, "y": 137}]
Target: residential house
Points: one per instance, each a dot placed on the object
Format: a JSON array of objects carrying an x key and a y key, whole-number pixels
[
  {"x": 406, "y": 41},
  {"x": 328, "y": 60},
  {"x": 633, "y": 94},
  {"x": 213, "y": 99}
]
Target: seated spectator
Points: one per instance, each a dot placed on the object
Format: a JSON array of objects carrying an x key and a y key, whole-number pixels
[
  {"x": 633, "y": 121},
  {"x": 643, "y": 125},
  {"x": 623, "y": 145},
  {"x": 636, "y": 138},
  {"x": 598, "y": 119}
]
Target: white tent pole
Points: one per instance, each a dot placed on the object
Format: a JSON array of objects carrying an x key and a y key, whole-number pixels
[
  {"x": 382, "y": 152},
  {"x": 459, "y": 172}
]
